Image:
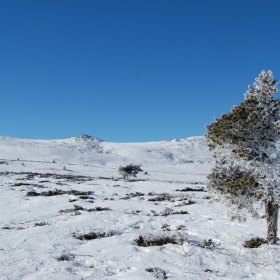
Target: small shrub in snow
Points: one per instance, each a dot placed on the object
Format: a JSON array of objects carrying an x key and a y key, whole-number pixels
[
  {"x": 94, "y": 235},
  {"x": 165, "y": 227},
  {"x": 20, "y": 228},
  {"x": 157, "y": 272},
  {"x": 254, "y": 242},
  {"x": 131, "y": 195},
  {"x": 133, "y": 212},
  {"x": 85, "y": 197},
  {"x": 59, "y": 192},
  {"x": 151, "y": 193},
  {"x": 129, "y": 170},
  {"x": 6, "y": 227},
  {"x": 169, "y": 211},
  {"x": 98, "y": 208},
  {"x": 187, "y": 189},
  {"x": 75, "y": 210},
  {"x": 159, "y": 239},
  {"x": 207, "y": 244},
  {"x": 184, "y": 203},
  {"x": 40, "y": 224},
  {"x": 78, "y": 207},
  {"x": 181, "y": 227},
  {"x": 66, "y": 257}
]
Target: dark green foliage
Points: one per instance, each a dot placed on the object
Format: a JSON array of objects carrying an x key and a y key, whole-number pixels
[
  {"x": 249, "y": 127},
  {"x": 235, "y": 182}
]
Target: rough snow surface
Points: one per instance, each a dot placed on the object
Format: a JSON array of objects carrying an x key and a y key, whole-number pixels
[{"x": 35, "y": 233}]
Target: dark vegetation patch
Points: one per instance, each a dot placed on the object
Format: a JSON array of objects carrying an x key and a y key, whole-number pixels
[
  {"x": 40, "y": 224},
  {"x": 151, "y": 193},
  {"x": 73, "y": 200},
  {"x": 166, "y": 197},
  {"x": 85, "y": 197},
  {"x": 95, "y": 235},
  {"x": 181, "y": 227},
  {"x": 136, "y": 180},
  {"x": 167, "y": 212},
  {"x": 165, "y": 227},
  {"x": 188, "y": 189},
  {"x": 20, "y": 184},
  {"x": 6, "y": 227},
  {"x": 157, "y": 272},
  {"x": 58, "y": 192},
  {"x": 254, "y": 242},
  {"x": 159, "y": 239},
  {"x": 184, "y": 203},
  {"x": 107, "y": 198},
  {"x": 133, "y": 212},
  {"x": 132, "y": 195},
  {"x": 78, "y": 208},
  {"x": 136, "y": 194},
  {"x": 20, "y": 228},
  {"x": 66, "y": 257},
  {"x": 32, "y": 175},
  {"x": 207, "y": 244},
  {"x": 99, "y": 209}
]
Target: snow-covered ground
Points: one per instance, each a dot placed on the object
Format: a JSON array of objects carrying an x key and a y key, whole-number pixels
[{"x": 37, "y": 230}]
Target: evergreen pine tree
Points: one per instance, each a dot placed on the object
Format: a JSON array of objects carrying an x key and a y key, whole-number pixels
[{"x": 246, "y": 159}]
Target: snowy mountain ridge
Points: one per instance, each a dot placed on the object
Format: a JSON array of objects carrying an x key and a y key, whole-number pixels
[{"x": 92, "y": 150}]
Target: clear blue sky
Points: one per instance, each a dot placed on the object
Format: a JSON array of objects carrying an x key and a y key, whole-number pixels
[{"x": 130, "y": 70}]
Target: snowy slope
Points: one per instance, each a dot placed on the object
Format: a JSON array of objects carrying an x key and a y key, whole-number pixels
[
  {"x": 36, "y": 230},
  {"x": 92, "y": 150},
  {"x": 191, "y": 153}
]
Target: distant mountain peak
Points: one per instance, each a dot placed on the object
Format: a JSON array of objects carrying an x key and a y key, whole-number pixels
[{"x": 87, "y": 138}]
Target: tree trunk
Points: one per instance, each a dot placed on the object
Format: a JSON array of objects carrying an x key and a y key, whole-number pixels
[{"x": 271, "y": 213}]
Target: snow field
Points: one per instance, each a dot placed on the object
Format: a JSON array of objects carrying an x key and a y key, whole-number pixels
[{"x": 32, "y": 252}]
